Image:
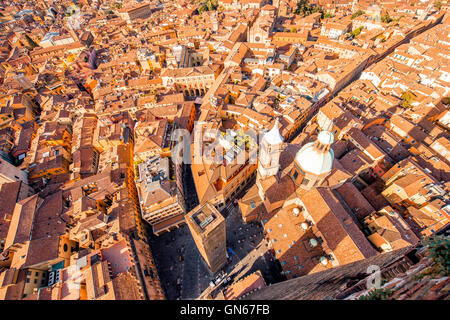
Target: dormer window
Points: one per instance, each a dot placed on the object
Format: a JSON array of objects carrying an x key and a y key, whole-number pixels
[
  {"x": 305, "y": 182},
  {"x": 294, "y": 174}
]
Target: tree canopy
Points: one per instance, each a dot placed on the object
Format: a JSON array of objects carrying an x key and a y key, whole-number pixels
[
  {"x": 408, "y": 97},
  {"x": 439, "y": 249},
  {"x": 357, "y": 31},
  {"x": 357, "y": 14},
  {"x": 386, "y": 18},
  {"x": 377, "y": 294},
  {"x": 305, "y": 9},
  {"x": 208, "y": 5}
]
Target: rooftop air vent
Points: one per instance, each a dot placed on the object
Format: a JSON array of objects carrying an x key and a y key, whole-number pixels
[
  {"x": 323, "y": 260},
  {"x": 313, "y": 242}
]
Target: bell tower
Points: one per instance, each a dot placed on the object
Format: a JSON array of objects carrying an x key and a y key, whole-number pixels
[
  {"x": 270, "y": 149},
  {"x": 215, "y": 22}
]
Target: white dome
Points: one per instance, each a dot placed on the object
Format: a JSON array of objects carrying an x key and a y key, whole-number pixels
[
  {"x": 326, "y": 137},
  {"x": 312, "y": 160},
  {"x": 274, "y": 136}
]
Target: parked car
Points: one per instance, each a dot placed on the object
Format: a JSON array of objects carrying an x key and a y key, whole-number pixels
[{"x": 227, "y": 281}]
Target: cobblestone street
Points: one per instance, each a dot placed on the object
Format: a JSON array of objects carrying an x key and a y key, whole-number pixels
[
  {"x": 250, "y": 248},
  {"x": 188, "y": 278}
]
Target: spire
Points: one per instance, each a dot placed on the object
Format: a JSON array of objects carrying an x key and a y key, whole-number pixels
[
  {"x": 276, "y": 124},
  {"x": 324, "y": 141},
  {"x": 270, "y": 151},
  {"x": 274, "y": 136}
]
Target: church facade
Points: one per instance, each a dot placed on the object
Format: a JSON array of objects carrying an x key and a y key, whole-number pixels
[{"x": 306, "y": 226}]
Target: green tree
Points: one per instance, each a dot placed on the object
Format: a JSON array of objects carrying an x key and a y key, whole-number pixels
[
  {"x": 357, "y": 31},
  {"x": 438, "y": 5},
  {"x": 208, "y": 5},
  {"x": 408, "y": 97},
  {"x": 386, "y": 18},
  {"x": 301, "y": 7},
  {"x": 377, "y": 294},
  {"x": 439, "y": 249},
  {"x": 202, "y": 8},
  {"x": 305, "y": 9},
  {"x": 357, "y": 14}
]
